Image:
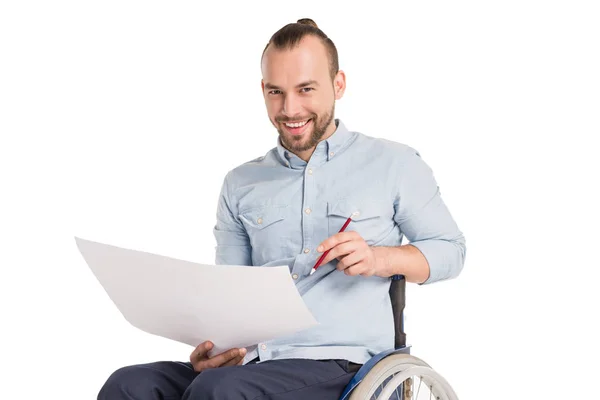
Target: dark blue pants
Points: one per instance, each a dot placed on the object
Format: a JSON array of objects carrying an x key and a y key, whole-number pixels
[{"x": 291, "y": 379}]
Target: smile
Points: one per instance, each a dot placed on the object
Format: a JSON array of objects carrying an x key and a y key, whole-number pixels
[
  {"x": 298, "y": 128},
  {"x": 296, "y": 124}
]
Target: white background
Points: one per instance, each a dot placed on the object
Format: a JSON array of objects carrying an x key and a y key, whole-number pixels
[{"x": 119, "y": 120}]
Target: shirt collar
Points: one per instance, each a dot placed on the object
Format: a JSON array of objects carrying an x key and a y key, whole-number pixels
[{"x": 326, "y": 149}]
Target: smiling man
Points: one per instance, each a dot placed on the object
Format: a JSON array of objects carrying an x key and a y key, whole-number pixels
[
  {"x": 300, "y": 85},
  {"x": 286, "y": 208}
]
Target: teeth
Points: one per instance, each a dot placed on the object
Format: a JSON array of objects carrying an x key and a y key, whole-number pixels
[{"x": 296, "y": 124}]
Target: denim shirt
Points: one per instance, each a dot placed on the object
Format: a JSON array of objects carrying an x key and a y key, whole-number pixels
[{"x": 276, "y": 209}]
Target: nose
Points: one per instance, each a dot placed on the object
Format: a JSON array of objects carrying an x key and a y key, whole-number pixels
[{"x": 291, "y": 106}]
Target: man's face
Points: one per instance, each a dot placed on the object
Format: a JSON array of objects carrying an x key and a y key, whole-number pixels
[{"x": 300, "y": 95}]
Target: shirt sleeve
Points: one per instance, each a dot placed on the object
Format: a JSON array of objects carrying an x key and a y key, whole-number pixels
[
  {"x": 233, "y": 245},
  {"x": 426, "y": 222}
]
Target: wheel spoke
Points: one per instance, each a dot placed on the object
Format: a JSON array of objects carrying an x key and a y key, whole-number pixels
[
  {"x": 419, "y": 388},
  {"x": 393, "y": 379}
]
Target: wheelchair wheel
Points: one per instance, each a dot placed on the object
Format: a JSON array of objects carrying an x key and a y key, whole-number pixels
[{"x": 403, "y": 377}]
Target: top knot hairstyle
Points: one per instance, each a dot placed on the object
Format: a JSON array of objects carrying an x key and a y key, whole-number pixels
[{"x": 291, "y": 34}]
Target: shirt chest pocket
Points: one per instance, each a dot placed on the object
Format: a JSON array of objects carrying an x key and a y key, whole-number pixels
[
  {"x": 370, "y": 219},
  {"x": 267, "y": 230}
]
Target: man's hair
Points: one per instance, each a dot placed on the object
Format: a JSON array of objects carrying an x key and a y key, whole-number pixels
[{"x": 290, "y": 36}]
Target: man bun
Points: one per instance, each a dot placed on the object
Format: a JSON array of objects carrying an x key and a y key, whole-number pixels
[{"x": 307, "y": 21}]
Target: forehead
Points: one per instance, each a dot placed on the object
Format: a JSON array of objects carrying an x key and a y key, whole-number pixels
[{"x": 288, "y": 67}]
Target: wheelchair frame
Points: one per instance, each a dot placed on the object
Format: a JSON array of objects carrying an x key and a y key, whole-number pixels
[{"x": 398, "y": 299}]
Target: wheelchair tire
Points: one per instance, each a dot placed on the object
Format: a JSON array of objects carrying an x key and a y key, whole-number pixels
[{"x": 389, "y": 373}]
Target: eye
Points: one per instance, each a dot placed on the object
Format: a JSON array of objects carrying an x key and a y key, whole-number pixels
[
  {"x": 306, "y": 89},
  {"x": 275, "y": 91}
]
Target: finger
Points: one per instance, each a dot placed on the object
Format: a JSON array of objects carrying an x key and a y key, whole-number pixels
[
  {"x": 368, "y": 272},
  {"x": 350, "y": 259},
  {"x": 237, "y": 360},
  {"x": 356, "y": 269},
  {"x": 232, "y": 363},
  {"x": 200, "y": 351},
  {"x": 341, "y": 250},
  {"x": 222, "y": 358},
  {"x": 336, "y": 239}
]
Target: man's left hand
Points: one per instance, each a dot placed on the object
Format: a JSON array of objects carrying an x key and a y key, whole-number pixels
[{"x": 355, "y": 256}]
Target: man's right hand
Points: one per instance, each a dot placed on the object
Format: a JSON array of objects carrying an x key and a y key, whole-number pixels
[{"x": 200, "y": 360}]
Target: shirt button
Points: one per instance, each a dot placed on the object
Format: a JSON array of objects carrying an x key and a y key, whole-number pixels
[
  {"x": 263, "y": 346},
  {"x": 310, "y": 171},
  {"x": 295, "y": 276},
  {"x": 306, "y": 251},
  {"x": 307, "y": 211},
  {"x": 259, "y": 220},
  {"x": 331, "y": 154}
]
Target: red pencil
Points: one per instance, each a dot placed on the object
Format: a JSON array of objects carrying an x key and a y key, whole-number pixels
[{"x": 327, "y": 252}]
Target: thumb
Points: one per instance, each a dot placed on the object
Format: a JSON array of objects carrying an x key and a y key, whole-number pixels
[{"x": 202, "y": 349}]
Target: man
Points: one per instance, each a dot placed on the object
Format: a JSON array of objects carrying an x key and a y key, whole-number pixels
[{"x": 286, "y": 208}]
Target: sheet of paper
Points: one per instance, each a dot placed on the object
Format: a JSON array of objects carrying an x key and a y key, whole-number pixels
[{"x": 232, "y": 306}]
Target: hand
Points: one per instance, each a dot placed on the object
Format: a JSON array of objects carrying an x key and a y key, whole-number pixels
[
  {"x": 355, "y": 256},
  {"x": 200, "y": 360}
]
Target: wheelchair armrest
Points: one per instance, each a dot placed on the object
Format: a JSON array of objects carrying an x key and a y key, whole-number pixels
[{"x": 398, "y": 299}]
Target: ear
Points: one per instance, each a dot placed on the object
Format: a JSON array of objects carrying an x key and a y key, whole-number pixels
[
  {"x": 262, "y": 86},
  {"x": 339, "y": 84}
]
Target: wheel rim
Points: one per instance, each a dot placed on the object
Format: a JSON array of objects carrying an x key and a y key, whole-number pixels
[{"x": 435, "y": 386}]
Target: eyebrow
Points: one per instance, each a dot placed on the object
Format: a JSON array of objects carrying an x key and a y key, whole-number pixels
[{"x": 298, "y": 86}]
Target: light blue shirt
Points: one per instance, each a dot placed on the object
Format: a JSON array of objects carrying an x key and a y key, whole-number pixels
[{"x": 276, "y": 209}]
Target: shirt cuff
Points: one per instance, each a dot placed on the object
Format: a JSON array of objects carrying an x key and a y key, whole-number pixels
[
  {"x": 444, "y": 259},
  {"x": 251, "y": 354}
]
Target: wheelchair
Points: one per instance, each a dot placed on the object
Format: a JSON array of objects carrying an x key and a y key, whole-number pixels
[{"x": 391, "y": 374}]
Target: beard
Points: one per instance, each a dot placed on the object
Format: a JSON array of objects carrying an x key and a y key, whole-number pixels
[{"x": 299, "y": 143}]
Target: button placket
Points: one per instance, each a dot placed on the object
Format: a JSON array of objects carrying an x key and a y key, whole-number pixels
[{"x": 308, "y": 202}]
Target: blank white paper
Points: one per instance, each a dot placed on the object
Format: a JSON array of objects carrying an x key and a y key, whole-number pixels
[{"x": 232, "y": 306}]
